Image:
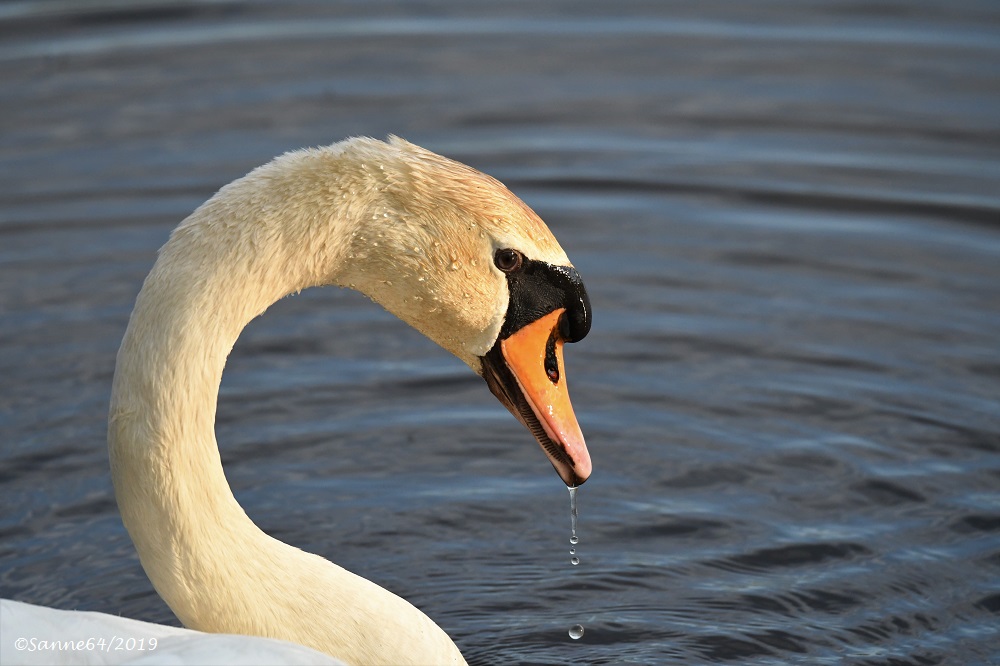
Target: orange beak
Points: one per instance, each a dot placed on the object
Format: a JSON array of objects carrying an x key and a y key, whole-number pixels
[{"x": 534, "y": 356}]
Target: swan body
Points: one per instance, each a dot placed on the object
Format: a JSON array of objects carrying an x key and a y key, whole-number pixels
[
  {"x": 54, "y": 637},
  {"x": 445, "y": 248}
]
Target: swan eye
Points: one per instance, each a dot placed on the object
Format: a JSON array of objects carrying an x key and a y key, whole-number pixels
[{"x": 508, "y": 260}]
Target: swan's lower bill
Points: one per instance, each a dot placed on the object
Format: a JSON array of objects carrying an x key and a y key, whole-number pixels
[{"x": 526, "y": 372}]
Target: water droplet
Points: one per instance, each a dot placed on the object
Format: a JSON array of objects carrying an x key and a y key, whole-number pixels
[
  {"x": 576, "y": 632},
  {"x": 573, "y": 539},
  {"x": 454, "y": 266},
  {"x": 572, "y": 509}
]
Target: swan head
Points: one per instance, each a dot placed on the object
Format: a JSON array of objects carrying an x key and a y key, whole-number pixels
[{"x": 456, "y": 255}]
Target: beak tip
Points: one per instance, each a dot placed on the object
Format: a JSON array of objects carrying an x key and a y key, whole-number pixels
[{"x": 577, "y": 474}]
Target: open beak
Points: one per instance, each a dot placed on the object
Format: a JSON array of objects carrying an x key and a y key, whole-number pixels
[{"x": 525, "y": 371}]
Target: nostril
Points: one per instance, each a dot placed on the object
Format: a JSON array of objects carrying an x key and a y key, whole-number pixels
[{"x": 551, "y": 359}]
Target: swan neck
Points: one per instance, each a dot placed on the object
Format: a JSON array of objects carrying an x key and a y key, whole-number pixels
[
  {"x": 221, "y": 268},
  {"x": 259, "y": 239}
]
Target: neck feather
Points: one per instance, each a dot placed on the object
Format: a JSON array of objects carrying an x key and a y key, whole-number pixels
[{"x": 256, "y": 241}]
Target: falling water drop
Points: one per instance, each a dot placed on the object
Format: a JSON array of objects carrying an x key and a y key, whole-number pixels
[
  {"x": 572, "y": 511},
  {"x": 576, "y": 631}
]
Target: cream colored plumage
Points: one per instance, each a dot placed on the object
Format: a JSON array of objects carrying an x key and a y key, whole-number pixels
[{"x": 415, "y": 232}]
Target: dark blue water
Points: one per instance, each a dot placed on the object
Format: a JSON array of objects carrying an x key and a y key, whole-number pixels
[{"x": 788, "y": 218}]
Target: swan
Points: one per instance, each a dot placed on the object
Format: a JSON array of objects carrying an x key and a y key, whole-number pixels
[{"x": 447, "y": 249}]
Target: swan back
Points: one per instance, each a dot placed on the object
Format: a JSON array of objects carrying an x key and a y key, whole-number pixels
[{"x": 123, "y": 640}]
